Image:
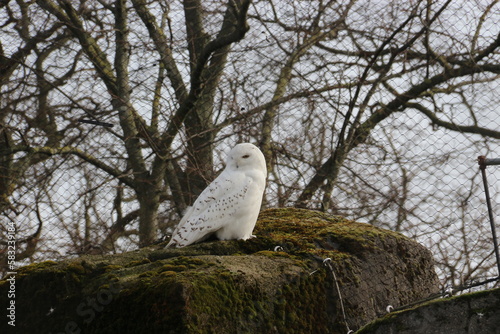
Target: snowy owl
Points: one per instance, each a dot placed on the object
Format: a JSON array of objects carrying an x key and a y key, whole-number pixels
[{"x": 229, "y": 206}]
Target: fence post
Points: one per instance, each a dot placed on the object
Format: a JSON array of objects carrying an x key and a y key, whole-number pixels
[{"x": 483, "y": 162}]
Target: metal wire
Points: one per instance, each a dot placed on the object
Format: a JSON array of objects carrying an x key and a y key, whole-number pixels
[{"x": 328, "y": 263}]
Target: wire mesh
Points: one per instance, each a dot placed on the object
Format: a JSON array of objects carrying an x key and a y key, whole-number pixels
[{"x": 373, "y": 110}]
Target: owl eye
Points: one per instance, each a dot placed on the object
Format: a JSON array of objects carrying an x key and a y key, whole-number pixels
[{"x": 246, "y": 156}]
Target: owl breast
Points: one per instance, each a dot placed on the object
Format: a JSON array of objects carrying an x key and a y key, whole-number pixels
[{"x": 242, "y": 222}]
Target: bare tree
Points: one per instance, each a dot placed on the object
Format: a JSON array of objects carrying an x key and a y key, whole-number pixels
[
  {"x": 135, "y": 100},
  {"x": 207, "y": 55}
]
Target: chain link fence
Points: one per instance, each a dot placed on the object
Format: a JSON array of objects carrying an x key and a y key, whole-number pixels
[{"x": 114, "y": 116}]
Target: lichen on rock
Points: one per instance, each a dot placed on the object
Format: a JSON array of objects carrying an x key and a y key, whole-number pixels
[{"x": 270, "y": 284}]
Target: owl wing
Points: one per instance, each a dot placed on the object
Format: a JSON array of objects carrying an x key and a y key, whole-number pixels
[{"x": 212, "y": 209}]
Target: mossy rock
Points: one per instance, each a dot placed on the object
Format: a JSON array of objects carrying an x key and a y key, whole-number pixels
[
  {"x": 476, "y": 313},
  {"x": 275, "y": 283}
]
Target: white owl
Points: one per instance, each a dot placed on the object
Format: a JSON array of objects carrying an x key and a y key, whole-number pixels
[{"x": 229, "y": 206}]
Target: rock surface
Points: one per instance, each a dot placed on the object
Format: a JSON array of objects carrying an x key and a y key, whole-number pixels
[
  {"x": 473, "y": 313},
  {"x": 275, "y": 283}
]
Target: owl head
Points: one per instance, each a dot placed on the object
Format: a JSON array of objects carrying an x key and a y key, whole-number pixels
[{"x": 246, "y": 156}]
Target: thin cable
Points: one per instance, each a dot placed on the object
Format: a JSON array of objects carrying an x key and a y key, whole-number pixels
[{"x": 328, "y": 262}]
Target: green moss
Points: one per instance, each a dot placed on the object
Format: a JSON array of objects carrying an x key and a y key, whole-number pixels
[
  {"x": 112, "y": 267},
  {"x": 214, "y": 287},
  {"x": 273, "y": 254},
  {"x": 35, "y": 267},
  {"x": 303, "y": 231},
  {"x": 168, "y": 273},
  {"x": 187, "y": 261},
  {"x": 148, "y": 274},
  {"x": 138, "y": 262},
  {"x": 173, "y": 267},
  {"x": 76, "y": 268},
  {"x": 231, "y": 302},
  {"x": 112, "y": 278}
]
